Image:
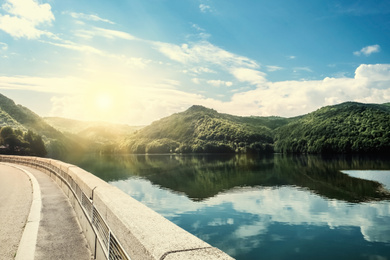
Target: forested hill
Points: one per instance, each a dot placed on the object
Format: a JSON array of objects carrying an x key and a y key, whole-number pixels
[
  {"x": 21, "y": 126},
  {"x": 345, "y": 128},
  {"x": 21, "y": 117},
  {"x": 203, "y": 130}
]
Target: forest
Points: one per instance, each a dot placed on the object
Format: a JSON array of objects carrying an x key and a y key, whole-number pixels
[
  {"x": 345, "y": 128},
  {"x": 203, "y": 130},
  {"x": 18, "y": 142}
]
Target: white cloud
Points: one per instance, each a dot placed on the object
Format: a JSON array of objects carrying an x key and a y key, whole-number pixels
[
  {"x": 30, "y": 10},
  {"x": 203, "y": 52},
  {"x": 90, "y": 17},
  {"x": 368, "y": 50},
  {"x": 200, "y": 70},
  {"x": 291, "y": 57},
  {"x": 220, "y": 83},
  {"x": 254, "y": 77},
  {"x": 292, "y": 98},
  {"x": 24, "y": 17},
  {"x": 143, "y": 100},
  {"x": 197, "y": 27},
  {"x": 77, "y": 47},
  {"x": 273, "y": 68},
  {"x": 66, "y": 85},
  {"x": 204, "y": 8},
  {"x": 94, "y": 31},
  {"x": 111, "y": 34},
  {"x": 3, "y": 46},
  {"x": 307, "y": 69},
  {"x": 196, "y": 80}
]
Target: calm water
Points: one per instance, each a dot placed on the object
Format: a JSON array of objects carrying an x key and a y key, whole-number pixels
[{"x": 277, "y": 207}]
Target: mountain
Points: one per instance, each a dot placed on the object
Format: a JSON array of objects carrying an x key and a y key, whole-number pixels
[
  {"x": 91, "y": 130},
  {"x": 204, "y": 130},
  {"x": 22, "y": 118},
  {"x": 26, "y": 126},
  {"x": 349, "y": 127}
]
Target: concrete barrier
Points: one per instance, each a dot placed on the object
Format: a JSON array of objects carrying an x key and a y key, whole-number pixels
[{"x": 115, "y": 225}]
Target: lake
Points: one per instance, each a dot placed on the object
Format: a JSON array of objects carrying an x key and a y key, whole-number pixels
[{"x": 264, "y": 207}]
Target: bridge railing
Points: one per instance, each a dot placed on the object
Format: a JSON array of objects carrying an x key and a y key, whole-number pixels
[{"x": 115, "y": 225}]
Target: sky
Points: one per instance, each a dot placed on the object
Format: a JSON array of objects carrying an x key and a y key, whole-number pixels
[{"x": 136, "y": 61}]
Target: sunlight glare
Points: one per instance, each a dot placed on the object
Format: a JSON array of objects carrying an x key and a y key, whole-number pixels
[{"x": 104, "y": 101}]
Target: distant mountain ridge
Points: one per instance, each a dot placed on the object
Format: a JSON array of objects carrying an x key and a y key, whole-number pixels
[
  {"x": 349, "y": 127},
  {"x": 91, "y": 130}
]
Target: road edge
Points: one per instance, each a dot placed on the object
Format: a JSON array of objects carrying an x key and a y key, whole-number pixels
[{"x": 27, "y": 244}]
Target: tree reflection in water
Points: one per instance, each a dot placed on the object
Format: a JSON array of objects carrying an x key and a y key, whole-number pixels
[{"x": 274, "y": 207}]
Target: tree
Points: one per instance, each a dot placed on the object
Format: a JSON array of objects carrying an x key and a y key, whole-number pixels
[{"x": 37, "y": 146}]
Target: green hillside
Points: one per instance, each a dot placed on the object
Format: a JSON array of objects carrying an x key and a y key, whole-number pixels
[
  {"x": 203, "y": 130},
  {"x": 21, "y": 117},
  {"x": 345, "y": 128},
  {"x": 26, "y": 126}
]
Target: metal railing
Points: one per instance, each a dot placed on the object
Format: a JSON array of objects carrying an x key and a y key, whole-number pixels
[{"x": 111, "y": 246}]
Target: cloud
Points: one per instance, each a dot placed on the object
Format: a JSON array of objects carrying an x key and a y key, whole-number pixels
[
  {"x": 273, "y": 68},
  {"x": 220, "y": 83},
  {"x": 368, "y": 50},
  {"x": 204, "y": 8},
  {"x": 143, "y": 100},
  {"x": 77, "y": 47},
  {"x": 292, "y": 98},
  {"x": 65, "y": 85},
  {"x": 197, "y": 27},
  {"x": 30, "y": 10},
  {"x": 3, "y": 46},
  {"x": 24, "y": 17},
  {"x": 203, "y": 52},
  {"x": 307, "y": 69},
  {"x": 254, "y": 77},
  {"x": 106, "y": 33},
  {"x": 199, "y": 70},
  {"x": 89, "y": 17}
]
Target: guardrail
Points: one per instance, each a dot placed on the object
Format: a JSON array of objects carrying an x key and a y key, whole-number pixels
[{"x": 115, "y": 225}]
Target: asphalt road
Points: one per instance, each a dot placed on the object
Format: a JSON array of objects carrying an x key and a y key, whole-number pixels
[
  {"x": 15, "y": 203},
  {"x": 58, "y": 235}
]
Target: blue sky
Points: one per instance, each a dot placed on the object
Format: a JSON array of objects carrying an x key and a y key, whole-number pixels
[{"x": 137, "y": 61}]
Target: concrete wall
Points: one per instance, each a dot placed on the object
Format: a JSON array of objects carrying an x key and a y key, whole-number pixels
[{"x": 117, "y": 226}]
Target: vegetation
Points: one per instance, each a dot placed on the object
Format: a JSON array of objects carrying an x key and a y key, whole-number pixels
[
  {"x": 200, "y": 176},
  {"x": 21, "y": 143},
  {"x": 203, "y": 130},
  {"x": 345, "y": 128},
  {"x": 31, "y": 134}
]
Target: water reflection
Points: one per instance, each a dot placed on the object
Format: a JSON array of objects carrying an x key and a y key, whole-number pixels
[
  {"x": 203, "y": 176},
  {"x": 248, "y": 222},
  {"x": 277, "y": 207}
]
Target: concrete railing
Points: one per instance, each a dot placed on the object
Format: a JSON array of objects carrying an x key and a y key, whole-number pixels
[{"x": 115, "y": 225}]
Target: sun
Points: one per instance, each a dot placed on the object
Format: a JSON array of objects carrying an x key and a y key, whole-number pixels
[{"x": 104, "y": 101}]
